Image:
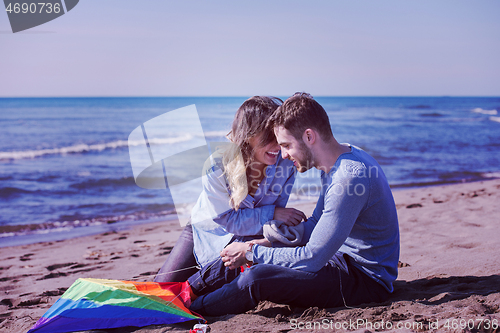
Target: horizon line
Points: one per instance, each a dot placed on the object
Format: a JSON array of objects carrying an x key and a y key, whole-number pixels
[{"x": 246, "y": 96}]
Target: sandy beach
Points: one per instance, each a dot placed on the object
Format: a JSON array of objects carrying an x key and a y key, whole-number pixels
[{"x": 449, "y": 277}]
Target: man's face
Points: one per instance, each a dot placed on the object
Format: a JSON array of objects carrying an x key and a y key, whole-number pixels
[{"x": 293, "y": 149}]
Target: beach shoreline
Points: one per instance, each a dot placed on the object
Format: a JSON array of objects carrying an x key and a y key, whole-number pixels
[{"x": 449, "y": 267}]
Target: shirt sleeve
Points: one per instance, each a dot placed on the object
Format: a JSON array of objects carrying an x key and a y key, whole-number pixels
[
  {"x": 214, "y": 204},
  {"x": 310, "y": 223},
  {"x": 246, "y": 221},
  {"x": 239, "y": 222},
  {"x": 339, "y": 213}
]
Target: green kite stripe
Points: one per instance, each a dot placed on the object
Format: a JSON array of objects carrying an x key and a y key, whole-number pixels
[{"x": 117, "y": 293}]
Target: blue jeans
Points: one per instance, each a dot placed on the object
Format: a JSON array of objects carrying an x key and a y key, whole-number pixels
[
  {"x": 234, "y": 292},
  {"x": 179, "y": 264}
]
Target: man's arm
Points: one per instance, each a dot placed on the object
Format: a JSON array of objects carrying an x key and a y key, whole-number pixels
[{"x": 339, "y": 213}]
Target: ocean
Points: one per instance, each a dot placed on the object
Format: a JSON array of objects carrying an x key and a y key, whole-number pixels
[{"x": 65, "y": 169}]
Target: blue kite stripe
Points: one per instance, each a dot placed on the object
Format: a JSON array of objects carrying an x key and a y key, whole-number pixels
[{"x": 84, "y": 315}]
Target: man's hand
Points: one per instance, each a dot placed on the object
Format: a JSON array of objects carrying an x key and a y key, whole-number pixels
[
  {"x": 233, "y": 255},
  {"x": 290, "y": 216}
]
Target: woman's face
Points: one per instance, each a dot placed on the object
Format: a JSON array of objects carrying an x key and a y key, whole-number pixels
[{"x": 267, "y": 154}]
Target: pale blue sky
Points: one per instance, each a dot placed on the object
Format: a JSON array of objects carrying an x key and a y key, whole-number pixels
[{"x": 244, "y": 48}]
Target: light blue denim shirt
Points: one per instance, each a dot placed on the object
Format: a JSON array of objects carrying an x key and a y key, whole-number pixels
[
  {"x": 215, "y": 222},
  {"x": 356, "y": 215}
]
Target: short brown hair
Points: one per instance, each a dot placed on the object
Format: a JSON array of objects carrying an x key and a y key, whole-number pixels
[{"x": 300, "y": 112}]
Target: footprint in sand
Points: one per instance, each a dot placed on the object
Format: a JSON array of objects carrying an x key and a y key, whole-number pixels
[
  {"x": 7, "y": 302},
  {"x": 167, "y": 249},
  {"x": 57, "y": 292},
  {"x": 57, "y": 266},
  {"x": 145, "y": 274},
  {"x": 26, "y": 257},
  {"x": 416, "y": 205},
  {"x": 52, "y": 276},
  {"x": 31, "y": 302}
]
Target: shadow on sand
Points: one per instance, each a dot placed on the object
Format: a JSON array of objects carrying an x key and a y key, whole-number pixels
[{"x": 438, "y": 290}]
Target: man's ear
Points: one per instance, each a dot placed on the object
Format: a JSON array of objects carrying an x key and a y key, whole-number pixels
[{"x": 309, "y": 136}]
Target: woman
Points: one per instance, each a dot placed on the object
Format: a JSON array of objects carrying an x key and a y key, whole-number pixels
[{"x": 245, "y": 185}]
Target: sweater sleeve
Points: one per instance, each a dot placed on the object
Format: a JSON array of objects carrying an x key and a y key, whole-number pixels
[
  {"x": 214, "y": 205},
  {"x": 340, "y": 207}
]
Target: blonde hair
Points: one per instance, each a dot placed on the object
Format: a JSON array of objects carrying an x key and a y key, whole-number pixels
[
  {"x": 235, "y": 172},
  {"x": 250, "y": 120}
]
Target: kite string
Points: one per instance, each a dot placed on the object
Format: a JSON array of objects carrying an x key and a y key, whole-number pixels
[
  {"x": 158, "y": 274},
  {"x": 199, "y": 276}
]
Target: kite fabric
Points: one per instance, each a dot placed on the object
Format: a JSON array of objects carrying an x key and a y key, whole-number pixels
[{"x": 100, "y": 304}]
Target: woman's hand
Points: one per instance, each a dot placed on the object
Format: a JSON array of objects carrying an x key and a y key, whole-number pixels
[
  {"x": 260, "y": 241},
  {"x": 233, "y": 255},
  {"x": 290, "y": 216}
]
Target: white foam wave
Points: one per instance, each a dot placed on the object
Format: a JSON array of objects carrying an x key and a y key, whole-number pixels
[
  {"x": 490, "y": 112},
  {"x": 497, "y": 119},
  {"x": 80, "y": 148},
  {"x": 216, "y": 134},
  {"x": 163, "y": 141},
  {"x": 492, "y": 174}
]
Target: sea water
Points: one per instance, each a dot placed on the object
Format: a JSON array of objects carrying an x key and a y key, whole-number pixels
[{"x": 65, "y": 168}]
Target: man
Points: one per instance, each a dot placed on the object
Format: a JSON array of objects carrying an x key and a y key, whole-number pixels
[{"x": 350, "y": 246}]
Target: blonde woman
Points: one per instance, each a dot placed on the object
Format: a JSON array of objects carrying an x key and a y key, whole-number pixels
[{"x": 245, "y": 186}]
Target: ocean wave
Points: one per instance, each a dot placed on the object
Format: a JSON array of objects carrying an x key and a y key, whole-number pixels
[
  {"x": 105, "y": 182},
  {"x": 433, "y": 114},
  {"x": 10, "y": 192},
  {"x": 216, "y": 134},
  {"x": 82, "y": 148},
  {"x": 492, "y": 174},
  {"x": 161, "y": 141},
  {"x": 419, "y": 107},
  {"x": 49, "y": 227},
  {"x": 489, "y": 112},
  {"x": 497, "y": 119}
]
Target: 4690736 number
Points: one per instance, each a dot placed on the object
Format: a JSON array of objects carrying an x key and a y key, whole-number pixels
[
  {"x": 478, "y": 323},
  {"x": 33, "y": 8}
]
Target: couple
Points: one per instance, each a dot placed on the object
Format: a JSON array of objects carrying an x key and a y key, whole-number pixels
[{"x": 348, "y": 250}]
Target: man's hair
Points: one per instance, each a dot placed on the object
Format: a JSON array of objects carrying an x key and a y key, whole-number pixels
[{"x": 301, "y": 112}]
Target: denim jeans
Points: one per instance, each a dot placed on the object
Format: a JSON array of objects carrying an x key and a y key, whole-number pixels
[
  {"x": 179, "y": 264},
  {"x": 233, "y": 292}
]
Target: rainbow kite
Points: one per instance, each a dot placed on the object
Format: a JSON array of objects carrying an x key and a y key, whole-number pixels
[{"x": 99, "y": 304}]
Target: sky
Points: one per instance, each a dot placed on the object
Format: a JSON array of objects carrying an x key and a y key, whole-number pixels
[{"x": 245, "y": 48}]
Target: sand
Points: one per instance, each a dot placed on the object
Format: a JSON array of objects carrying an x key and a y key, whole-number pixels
[{"x": 449, "y": 274}]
